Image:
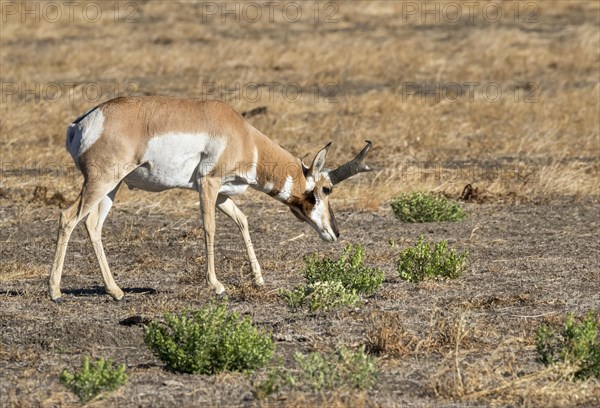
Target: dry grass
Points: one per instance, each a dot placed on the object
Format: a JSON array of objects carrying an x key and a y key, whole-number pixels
[
  {"x": 340, "y": 400},
  {"x": 386, "y": 335},
  {"x": 472, "y": 374},
  {"x": 479, "y": 363},
  {"x": 540, "y": 150},
  {"x": 13, "y": 270},
  {"x": 474, "y": 371}
]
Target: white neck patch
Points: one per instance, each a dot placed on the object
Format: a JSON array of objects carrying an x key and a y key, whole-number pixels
[
  {"x": 286, "y": 190},
  {"x": 249, "y": 173}
]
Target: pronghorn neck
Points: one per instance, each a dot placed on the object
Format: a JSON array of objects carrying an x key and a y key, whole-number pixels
[
  {"x": 279, "y": 173},
  {"x": 288, "y": 184}
]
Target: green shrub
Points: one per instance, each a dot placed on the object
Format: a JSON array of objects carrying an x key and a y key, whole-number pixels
[
  {"x": 94, "y": 378},
  {"x": 426, "y": 261},
  {"x": 574, "y": 343},
  {"x": 320, "y": 296},
  {"x": 349, "y": 269},
  {"x": 333, "y": 283},
  {"x": 271, "y": 384},
  {"x": 209, "y": 341},
  {"x": 344, "y": 369},
  {"x": 423, "y": 207}
]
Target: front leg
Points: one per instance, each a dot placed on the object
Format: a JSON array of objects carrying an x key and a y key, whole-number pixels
[
  {"x": 229, "y": 208},
  {"x": 209, "y": 190}
]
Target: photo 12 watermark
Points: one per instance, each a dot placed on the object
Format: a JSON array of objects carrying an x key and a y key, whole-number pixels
[
  {"x": 325, "y": 12},
  {"x": 470, "y": 91},
  {"x": 34, "y": 173},
  {"x": 70, "y": 11},
  {"x": 188, "y": 250},
  {"x": 517, "y": 173},
  {"x": 471, "y": 12},
  {"x": 252, "y": 92},
  {"x": 60, "y": 91}
]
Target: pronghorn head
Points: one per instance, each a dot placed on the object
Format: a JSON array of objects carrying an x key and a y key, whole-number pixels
[{"x": 314, "y": 207}]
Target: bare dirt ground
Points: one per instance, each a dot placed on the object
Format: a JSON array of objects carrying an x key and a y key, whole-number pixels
[
  {"x": 527, "y": 263},
  {"x": 532, "y": 236}
]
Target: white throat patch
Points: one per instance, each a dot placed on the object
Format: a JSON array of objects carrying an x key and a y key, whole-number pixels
[
  {"x": 267, "y": 188},
  {"x": 310, "y": 184},
  {"x": 317, "y": 213}
]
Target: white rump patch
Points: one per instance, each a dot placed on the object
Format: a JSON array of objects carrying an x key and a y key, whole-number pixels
[
  {"x": 286, "y": 190},
  {"x": 83, "y": 134}
]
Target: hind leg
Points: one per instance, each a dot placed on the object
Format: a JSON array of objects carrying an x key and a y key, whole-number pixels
[
  {"x": 88, "y": 199},
  {"x": 68, "y": 220},
  {"x": 93, "y": 225}
]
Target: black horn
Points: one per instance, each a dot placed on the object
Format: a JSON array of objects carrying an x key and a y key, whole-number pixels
[{"x": 351, "y": 168}]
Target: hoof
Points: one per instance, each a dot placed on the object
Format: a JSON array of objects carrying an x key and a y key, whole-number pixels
[
  {"x": 259, "y": 282},
  {"x": 116, "y": 294},
  {"x": 58, "y": 300},
  {"x": 221, "y": 296}
]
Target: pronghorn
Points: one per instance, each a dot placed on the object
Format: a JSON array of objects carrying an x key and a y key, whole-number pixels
[{"x": 159, "y": 143}]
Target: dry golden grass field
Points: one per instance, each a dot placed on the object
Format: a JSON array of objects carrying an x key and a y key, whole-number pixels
[{"x": 504, "y": 96}]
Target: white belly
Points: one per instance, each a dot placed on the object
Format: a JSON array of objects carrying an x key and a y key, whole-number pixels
[
  {"x": 233, "y": 187},
  {"x": 176, "y": 160}
]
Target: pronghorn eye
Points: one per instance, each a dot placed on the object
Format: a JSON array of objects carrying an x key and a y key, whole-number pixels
[{"x": 326, "y": 190}]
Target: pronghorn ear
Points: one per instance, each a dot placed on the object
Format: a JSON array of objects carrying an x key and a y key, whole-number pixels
[
  {"x": 304, "y": 167},
  {"x": 318, "y": 162}
]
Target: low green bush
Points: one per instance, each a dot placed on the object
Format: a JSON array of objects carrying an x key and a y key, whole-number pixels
[
  {"x": 349, "y": 269},
  {"x": 426, "y": 261},
  {"x": 333, "y": 283},
  {"x": 209, "y": 341},
  {"x": 93, "y": 379},
  {"x": 320, "y": 296},
  {"x": 424, "y": 207},
  {"x": 575, "y": 343},
  {"x": 344, "y": 369}
]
